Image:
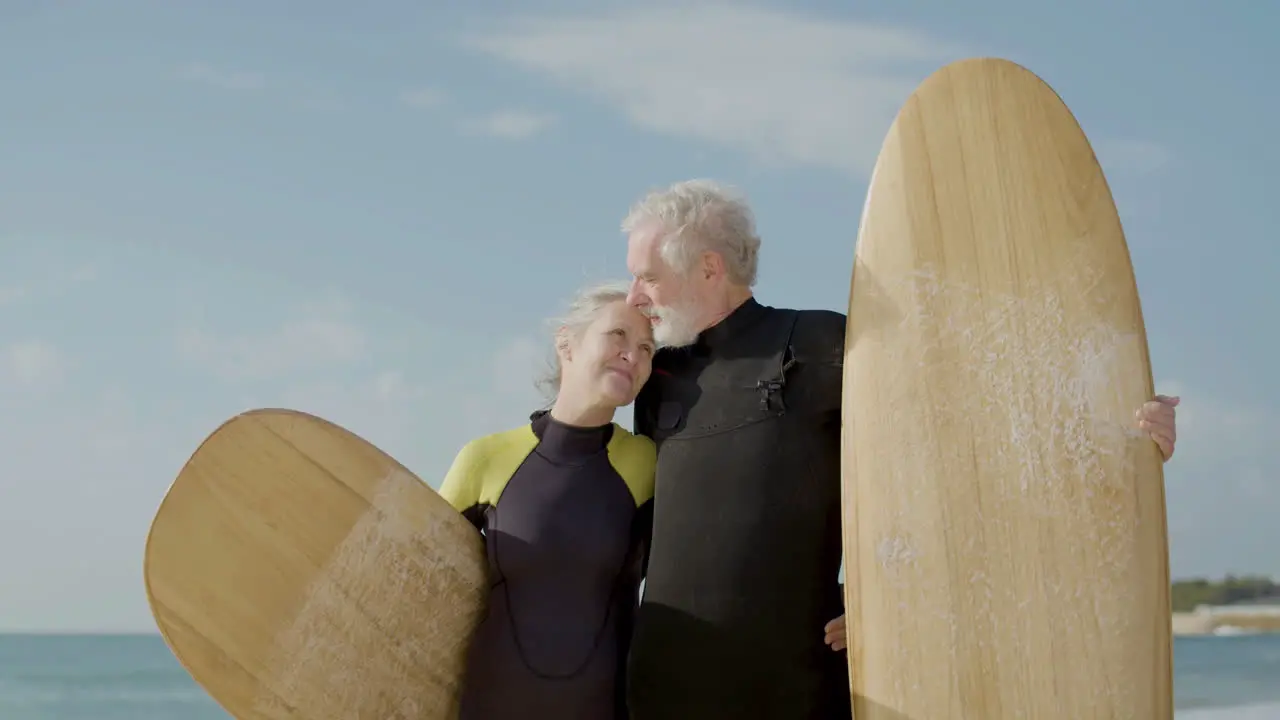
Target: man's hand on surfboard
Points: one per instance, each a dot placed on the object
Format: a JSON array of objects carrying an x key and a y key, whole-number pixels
[
  {"x": 1158, "y": 417},
  {"x": 835, "y": 633}
]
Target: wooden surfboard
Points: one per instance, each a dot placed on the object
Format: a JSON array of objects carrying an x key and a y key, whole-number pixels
[
  {"x": 297, "y": 571},
  {"x": 1004, "y": 517}
]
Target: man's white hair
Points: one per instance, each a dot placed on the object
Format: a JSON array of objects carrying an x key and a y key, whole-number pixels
[
  {"x": 582, "y": 311},
  {"x": 696, "y": 216}
]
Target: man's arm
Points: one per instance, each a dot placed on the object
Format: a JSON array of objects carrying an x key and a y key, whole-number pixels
[{"x": 820, "y": 350}]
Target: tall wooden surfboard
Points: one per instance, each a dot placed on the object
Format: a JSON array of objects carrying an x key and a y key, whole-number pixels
[
  {"x": 1004, "y": 518},
  {"x": 297, "y": 571}
]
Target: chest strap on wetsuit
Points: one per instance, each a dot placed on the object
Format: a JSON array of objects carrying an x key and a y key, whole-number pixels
[{"x": 776, "y": 365}]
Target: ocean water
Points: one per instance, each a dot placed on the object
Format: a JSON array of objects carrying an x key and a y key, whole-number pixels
[{"x": 135, "y": 677}]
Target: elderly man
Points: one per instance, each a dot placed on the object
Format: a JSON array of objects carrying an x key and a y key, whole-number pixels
[{"x": 744, "y": 403}]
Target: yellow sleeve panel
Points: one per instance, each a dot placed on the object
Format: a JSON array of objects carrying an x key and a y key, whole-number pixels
[
  {"x": 635, "y": 458},
  {"x": 482, "y": 468},
  {"x": 480, "y": 471}
]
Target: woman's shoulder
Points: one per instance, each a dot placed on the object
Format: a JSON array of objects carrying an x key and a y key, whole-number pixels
[
  {"x": 503, "y": 448},
  {"x": 521, "y": 437},
  {"x": 484, "y": 464},
  {"x": 640, "y": 446},
  {"x": 635, "y": 458}
]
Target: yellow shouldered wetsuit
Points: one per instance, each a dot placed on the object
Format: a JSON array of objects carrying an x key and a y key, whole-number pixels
[
  {"x": 744, "y": 566},
  {"x": 564, "y": 511}
]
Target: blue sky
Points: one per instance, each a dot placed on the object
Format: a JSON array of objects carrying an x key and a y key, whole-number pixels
[{"x": 367, "y": 214}]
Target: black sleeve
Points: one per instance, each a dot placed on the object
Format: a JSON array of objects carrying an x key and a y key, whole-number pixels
[
  {"x": 475, "y": 515},
  {"x": 819, "y": 345},
  {"x": 819, "y": 348}
]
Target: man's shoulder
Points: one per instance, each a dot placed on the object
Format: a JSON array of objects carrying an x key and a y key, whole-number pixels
[
  {"x": 812, "y": 316},
  {"x": 817, "y": 331},
  {"x": 828, "y": 323}
]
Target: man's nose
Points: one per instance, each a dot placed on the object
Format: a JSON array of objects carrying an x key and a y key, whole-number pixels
[{"x": 636, "y": 298}]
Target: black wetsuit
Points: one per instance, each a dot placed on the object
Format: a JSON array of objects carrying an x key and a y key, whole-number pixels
[
  {"x": 746, "y": 544},
  {"x": 564, "y": 511}
]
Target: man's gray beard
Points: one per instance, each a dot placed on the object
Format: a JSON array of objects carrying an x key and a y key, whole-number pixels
[{"x": 677, "y": 327}]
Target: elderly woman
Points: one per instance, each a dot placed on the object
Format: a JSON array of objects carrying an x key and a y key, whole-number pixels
[{"x": 562, "y": 502}]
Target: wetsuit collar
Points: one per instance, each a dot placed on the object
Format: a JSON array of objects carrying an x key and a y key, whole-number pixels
[
  {"x": 561, "y": 442},
  {"x": 732, "y": 326}
]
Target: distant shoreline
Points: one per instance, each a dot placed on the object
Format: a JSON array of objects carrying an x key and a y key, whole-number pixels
[{"x": 1226, "y": 621}]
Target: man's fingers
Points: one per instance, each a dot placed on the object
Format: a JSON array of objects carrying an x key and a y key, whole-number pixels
[{"x": 835, "y": 636}]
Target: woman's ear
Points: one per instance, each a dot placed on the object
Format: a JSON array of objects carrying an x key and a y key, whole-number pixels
[{"x": 563, "y": 351}]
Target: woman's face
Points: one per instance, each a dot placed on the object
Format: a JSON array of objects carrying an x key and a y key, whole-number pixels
[{"x": 610, "y": 361}]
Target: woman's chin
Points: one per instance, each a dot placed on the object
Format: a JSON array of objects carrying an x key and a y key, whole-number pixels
[{"x": 617, "y": 392}]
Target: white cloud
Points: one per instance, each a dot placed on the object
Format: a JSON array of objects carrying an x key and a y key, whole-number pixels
[
  {"x": 422, "y": 98},
  {"x": 511, "y": 124},
  {"x": 221, "y": 78},
  {"x": 782, "y": 87},
  {"x": 315, "y": 336},
  {"x": 31, "y": 363}
]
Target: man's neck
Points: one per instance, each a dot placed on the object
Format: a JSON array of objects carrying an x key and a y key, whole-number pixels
[{"x": 732, "y": 301}]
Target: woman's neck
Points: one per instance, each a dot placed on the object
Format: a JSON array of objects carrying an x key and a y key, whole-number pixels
[{"x": 571, "y": 412}]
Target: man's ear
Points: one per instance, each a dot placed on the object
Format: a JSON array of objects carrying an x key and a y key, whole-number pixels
[{"x": 712, "y": 265}]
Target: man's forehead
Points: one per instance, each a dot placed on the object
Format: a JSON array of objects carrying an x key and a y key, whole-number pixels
[
  {"x": 642, "y": 255},
  {"x": 644, "y": 237}
]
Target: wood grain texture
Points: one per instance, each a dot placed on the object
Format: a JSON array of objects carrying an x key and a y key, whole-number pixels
[
  {"x": 297, "y": 571},
  {"x": 1004, "y": 517}
]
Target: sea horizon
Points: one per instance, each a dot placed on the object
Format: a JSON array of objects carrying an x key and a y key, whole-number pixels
[{"x": 132, "y": 675}]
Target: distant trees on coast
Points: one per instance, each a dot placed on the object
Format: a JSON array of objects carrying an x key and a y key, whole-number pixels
[{"x": 1188, "y": 594}]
